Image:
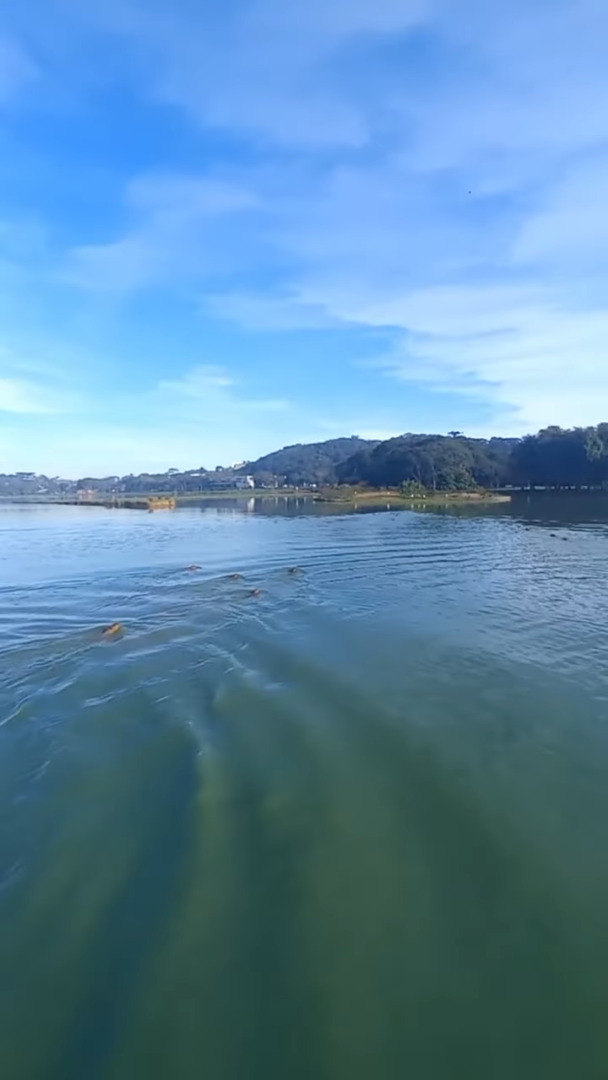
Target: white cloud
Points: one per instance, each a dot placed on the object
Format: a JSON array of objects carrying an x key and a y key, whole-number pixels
[
  {"x": 263, "y": 68},
  {"x": 121, "y": 266},
  {"x": 179, "y": 222},
  {"x": 570, "y": 231},
  {"x": 265, "y": 311},
  {"x": 211, "y": 393},
  {"x": 522, "y": 350},
  {"x": 526, "y": 85},
  {"x": 203, "y": 416},
  {"x": 37, "y": 379},
  {"x": 198, "y": 383},
  {"x": 28, "y": 398}
]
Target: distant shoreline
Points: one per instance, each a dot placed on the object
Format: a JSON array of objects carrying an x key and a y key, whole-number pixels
[
  {"x": 347, "y": 496},
  {"x": 160, "y": 502},
  {"x": 140, "y": 500}
]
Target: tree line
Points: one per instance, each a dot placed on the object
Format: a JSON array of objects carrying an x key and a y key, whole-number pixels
[
  {"x": 432, "y": 462},
  {"x": 304, "y": 464},
  {"x": 555, "y": 457},
  {"x": 562, "y": 458}
]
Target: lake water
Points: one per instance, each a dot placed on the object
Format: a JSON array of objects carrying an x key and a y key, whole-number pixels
[{"x": 352, "y": 827}]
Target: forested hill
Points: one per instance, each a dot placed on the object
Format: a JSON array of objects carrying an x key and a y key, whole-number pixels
[
  {"x": 437, "y": 462},
  {"x": 307, "y": 463},
  {"x": 554, "y": 458}
]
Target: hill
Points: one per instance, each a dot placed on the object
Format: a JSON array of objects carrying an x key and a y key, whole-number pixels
[
  {"x": 307, "y": 463},
  {"x": 436, "y": 462}
]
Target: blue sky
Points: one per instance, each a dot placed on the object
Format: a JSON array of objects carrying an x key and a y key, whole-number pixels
[{"x": 227, "y": 227}]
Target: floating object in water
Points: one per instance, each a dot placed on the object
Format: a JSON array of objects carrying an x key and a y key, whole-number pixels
[
  {"x": 159, "y": 503},
  {"x": 193, "y": 568},
  {"x": 295, "y": 570},
  {"x": 234, "y": 577},
  {"x": 255, "y": 592},
  {"x": 554, "y": 535},
  {"x": 112, "y": 630}
]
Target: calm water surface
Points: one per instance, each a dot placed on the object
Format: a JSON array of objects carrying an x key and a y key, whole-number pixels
[{"x": 353, "y": 827}]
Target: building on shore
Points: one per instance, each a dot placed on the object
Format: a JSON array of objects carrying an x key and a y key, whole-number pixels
[{"x": 227, "y": 481}]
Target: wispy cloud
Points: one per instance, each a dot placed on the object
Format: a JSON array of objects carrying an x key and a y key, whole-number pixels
[
  {"x": 523, "y": 350},
  {"x": 267, "y": 311},
  {"x": 176, "y": 224},
  {"x": 214, "y": 396},
  {"x": 567, "y": 234},
  {"x": 16, "y": 395},
  {"x": 198, "y": 383},
  {"x": 264, "y": 68},
  {"x": 30, "y": 399},
  {"x": 31, "y": 386},
  {"x": 203, "y": 416}
]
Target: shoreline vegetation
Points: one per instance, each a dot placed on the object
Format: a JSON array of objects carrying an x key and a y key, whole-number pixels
[
  {"x": 339, "y": 495},
  {"x": 399, "y": 497}
]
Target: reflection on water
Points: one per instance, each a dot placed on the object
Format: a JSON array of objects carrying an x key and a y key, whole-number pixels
[
  {"x": 537, "y": 507},
  {"x": 352, "y": 826}
]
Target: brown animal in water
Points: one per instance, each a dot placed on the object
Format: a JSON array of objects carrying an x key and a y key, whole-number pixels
[
  {"x": 295, "y": 570},
  {"x": 255, "y": 592},
  {"x": 192, "y": 568},
  {"x": 112, "y": 630},
  {"x": 234, "y": 577}
]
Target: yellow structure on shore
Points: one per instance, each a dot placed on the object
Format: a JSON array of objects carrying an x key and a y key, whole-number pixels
[{"x": 159, "y": 503}]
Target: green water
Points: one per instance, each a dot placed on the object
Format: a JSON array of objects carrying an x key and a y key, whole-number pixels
[{"x": 352, "y": 827}]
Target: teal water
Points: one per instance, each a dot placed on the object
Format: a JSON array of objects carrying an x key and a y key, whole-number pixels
[{"x": 352, "y": 827}]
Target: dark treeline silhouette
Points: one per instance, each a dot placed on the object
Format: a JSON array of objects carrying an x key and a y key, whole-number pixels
[
  {"x": 434, "y": 462},
  {"x": 555, "y": 458},
  {"x": 562, "y": 458},
  {"x": 307, "y": 463}
]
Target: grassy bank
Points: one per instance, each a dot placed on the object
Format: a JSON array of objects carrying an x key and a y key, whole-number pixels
[
  {"x": 394, "y": 497},
  {"x": 342, "y": 495}
]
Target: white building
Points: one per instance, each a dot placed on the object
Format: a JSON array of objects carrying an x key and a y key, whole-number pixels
[{"x": 242, "y": 483}]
